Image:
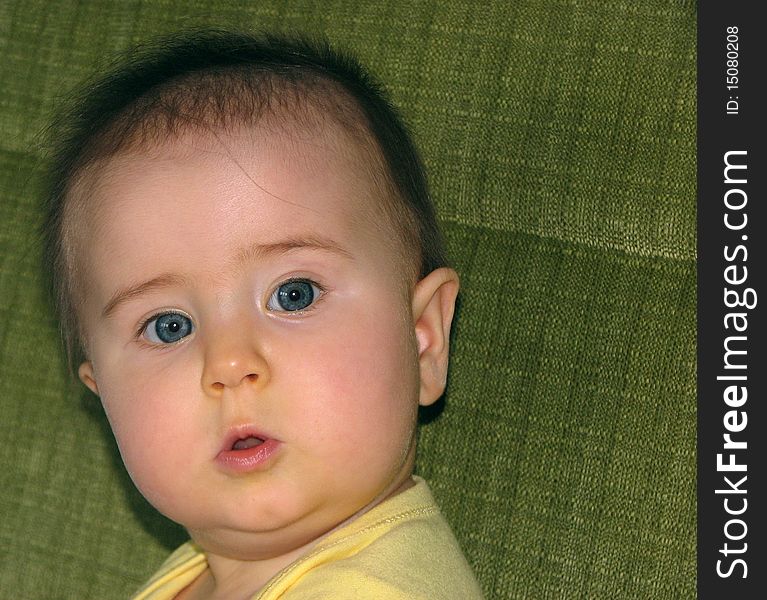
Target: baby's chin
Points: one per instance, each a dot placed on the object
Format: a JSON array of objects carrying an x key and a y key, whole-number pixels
[
  {"x": 258, "y": 536},
  {"x": 251, "y": 546},
  {"x": 287, "y": 528}
]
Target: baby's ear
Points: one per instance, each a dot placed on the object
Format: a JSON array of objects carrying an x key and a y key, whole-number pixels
[
  {"x": 87, "y": 376},
  {"x": 433, "y": 306}
]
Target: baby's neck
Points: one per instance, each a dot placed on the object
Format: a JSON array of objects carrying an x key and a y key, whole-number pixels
[{"x": 231, "y": 579}]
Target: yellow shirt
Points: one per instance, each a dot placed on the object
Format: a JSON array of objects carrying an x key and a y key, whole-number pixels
[{"x": 401, "y": 549}]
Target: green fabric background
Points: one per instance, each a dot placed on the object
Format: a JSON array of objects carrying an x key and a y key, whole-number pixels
[{"x": 560, "y": 138}]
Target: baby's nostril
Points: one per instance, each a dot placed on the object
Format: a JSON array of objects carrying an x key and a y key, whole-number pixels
[{"x": 252, "y": 377}]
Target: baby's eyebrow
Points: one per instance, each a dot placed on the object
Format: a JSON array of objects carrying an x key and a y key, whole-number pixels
[
  {"x": 132, "y": 291},
  {"x": 259, "y": 250}
]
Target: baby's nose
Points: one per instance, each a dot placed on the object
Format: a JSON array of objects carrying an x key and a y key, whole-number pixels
[{"x": 232, "y": 362}]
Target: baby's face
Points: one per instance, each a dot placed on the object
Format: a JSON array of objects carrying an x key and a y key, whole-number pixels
[{"x": 250, "y": 335}]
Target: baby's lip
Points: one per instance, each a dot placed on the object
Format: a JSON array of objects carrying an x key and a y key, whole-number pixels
[{"x": 247, "y": 434}]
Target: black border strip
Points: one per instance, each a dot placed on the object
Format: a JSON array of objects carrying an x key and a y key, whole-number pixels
[{"x": 732, "y": 229}]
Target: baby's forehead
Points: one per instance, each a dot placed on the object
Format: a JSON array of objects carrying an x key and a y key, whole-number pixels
[
  {"x": 307, "y": 137},
  {"x": 276, "y": 151},
  {"x": 210, "y": 197}
]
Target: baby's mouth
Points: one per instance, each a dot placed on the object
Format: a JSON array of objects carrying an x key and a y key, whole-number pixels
[
  {"x": 248, "y": 442},
  {"x": 247, "y": 450}
]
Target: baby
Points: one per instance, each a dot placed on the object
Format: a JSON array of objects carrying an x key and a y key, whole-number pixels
[{"x": 248, "y": 271}]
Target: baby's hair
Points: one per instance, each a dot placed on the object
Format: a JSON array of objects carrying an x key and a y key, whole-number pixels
[{"x": 214, "y": 80}]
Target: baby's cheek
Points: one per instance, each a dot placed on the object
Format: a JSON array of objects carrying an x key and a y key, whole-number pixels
[
  {"x": 377, "y": 372},
  {"x": 365, "y": 368},
  {"x": 144, "y": 425}
]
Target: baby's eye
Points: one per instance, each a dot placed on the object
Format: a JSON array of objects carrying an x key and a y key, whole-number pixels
[
  {"x": 168, "y": 328},
  {"x": 293, "y": 295}
]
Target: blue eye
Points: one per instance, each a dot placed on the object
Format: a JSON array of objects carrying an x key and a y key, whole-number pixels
[
  {"x": 294, "y": 295},
  {"x": 168, "y": 328}
]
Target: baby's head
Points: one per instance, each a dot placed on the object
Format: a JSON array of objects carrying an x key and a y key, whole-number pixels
[{"x": 247, "y": 266}]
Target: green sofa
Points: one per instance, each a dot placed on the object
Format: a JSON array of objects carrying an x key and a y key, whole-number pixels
[{"x": 560, "y": 141}]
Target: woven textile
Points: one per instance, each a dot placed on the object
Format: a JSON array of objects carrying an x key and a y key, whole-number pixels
[{"x": 559, "y": 138}]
